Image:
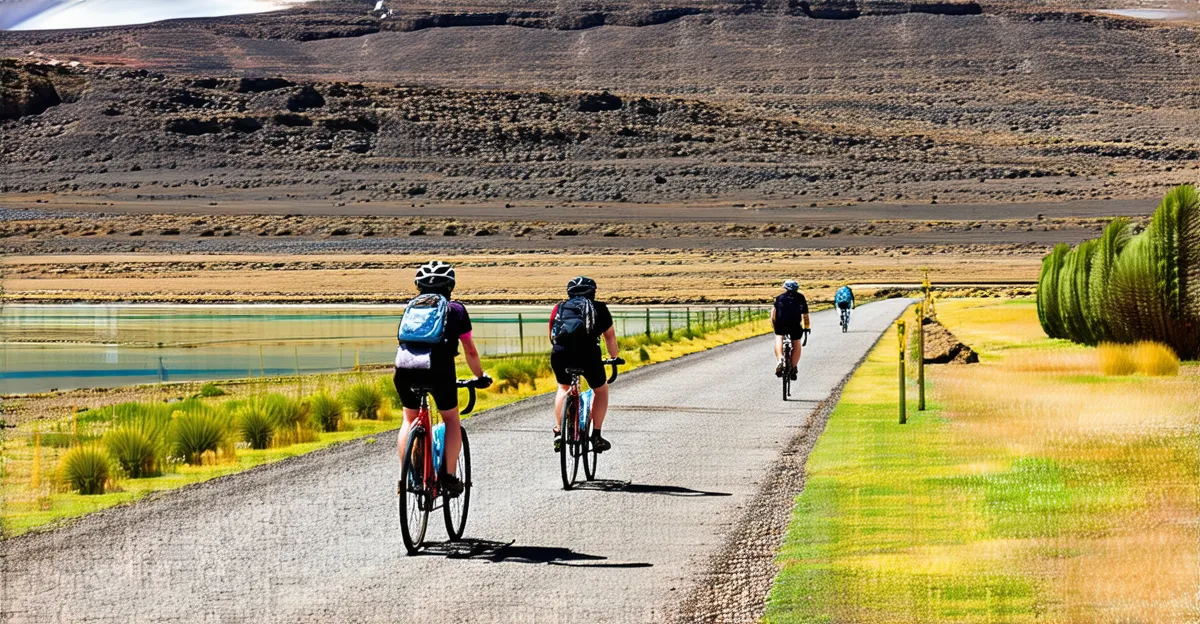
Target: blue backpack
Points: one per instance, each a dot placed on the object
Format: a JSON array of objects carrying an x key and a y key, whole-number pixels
[
  {"x": 424, "y": 320},
  {"x": 843, "y": 295}
]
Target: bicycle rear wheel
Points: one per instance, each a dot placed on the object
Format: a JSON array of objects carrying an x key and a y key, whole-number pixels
[
  {"x": 590, "y": 456},
  {"x": 568, "y": 455},
  {"x": 414, "y": 500},
  {"x": 455, "y": 509}
]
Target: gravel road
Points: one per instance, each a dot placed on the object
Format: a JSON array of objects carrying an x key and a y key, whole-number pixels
[{"x": 316, "y": 538}]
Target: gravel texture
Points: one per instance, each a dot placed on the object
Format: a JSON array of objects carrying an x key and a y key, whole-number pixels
[{"x": 697, "y": 456}]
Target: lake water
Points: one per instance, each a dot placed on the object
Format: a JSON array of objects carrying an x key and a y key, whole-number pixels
[
  {"x": 1154, "y": 14},
  {"x": 58, "y": 14},
  {"x": 61, "y": 347}
]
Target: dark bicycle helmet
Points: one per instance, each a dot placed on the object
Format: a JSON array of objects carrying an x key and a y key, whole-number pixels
[
  {"x": 791, "y": 286},
  {"x": 435, "y": 275},
  {"x": 582, "y": 286}
]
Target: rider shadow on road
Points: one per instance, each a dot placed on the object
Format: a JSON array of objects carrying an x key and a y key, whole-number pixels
[
  {"x": 612, "y": 485},
  {"x": 501, "y": 552}
]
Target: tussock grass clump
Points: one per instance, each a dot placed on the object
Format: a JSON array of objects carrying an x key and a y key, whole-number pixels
[
  {"x": 210, "y": 390},
  {"x": 255, "y": 426},
  {"x": 138, "y": 450},
  {"x": 643, "y": 355},
  {"x": 512, "y": 372},
  {"x": 363, "y": 399},
  {"x": 198, "y": 431},
  {"x": 1116, "y": 359},
  {"x": 387, "y": 388},
  {"x": 1146, "y": 357},
  {"x": 1155, "y": 359},
  {"x": 325, "y": 411},
  {"x": 86, "y": 469}
]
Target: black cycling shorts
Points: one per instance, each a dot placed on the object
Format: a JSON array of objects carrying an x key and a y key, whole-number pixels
[
  {"x": 593, "y": 369},
  {"x": 791, "y": 330},
  {"x": 441, "y": 384},
  {"x": 844, "y": 305}
]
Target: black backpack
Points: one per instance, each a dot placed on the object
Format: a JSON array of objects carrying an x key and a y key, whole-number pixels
[
  {"x": 574, "y": 323},
  {"x": 787, "y": 308}
]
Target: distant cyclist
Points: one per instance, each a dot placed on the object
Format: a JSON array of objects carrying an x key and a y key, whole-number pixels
[
  {"x": 579, "y": 323},
  {"x": 789, "y": 318},
  {"x": 428, "y": 361},
  {"x": 844, "y": 300}
]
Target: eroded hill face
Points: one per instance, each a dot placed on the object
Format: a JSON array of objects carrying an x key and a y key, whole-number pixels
[{"x": 718, "y": 101}]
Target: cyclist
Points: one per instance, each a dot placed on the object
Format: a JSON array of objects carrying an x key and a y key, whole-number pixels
[
  {"x": 576, "y": 326},
  {"x": 436, "y": 371},
  {"x": 844, "y": 300},
  {"x": 789, "y": 317}
]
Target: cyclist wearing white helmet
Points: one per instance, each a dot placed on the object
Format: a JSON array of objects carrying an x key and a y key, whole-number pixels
[
  {"x": 437, "y": 278},
  {"x": 789, "y": 317}
]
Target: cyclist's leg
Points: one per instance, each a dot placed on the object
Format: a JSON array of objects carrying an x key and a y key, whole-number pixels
[
  {"x": 559, "y": 365},
  {"x": 559, "y": 397},
  {"x": 778, "y": 346},
  {"x": 599, "y": 406},
  {"x": 402, "y": 379},
  {"x": 796, "y": 335},
  {"x": 445, "y": 396}
]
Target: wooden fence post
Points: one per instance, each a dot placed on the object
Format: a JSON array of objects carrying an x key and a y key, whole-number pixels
[
  {"x": 921, "y": 356},
  {"x": 521, "y": 331},
  {"x": 688, "y": 311},
  {"x": 900, "y": 335},
  {"x": 670, "y": 325},
  {"x": 647, "y": 323}
]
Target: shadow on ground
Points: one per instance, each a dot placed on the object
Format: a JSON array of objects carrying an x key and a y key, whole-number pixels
[
  {"x": 611, "y": 485},
  {"x": 507, "y": 552}
]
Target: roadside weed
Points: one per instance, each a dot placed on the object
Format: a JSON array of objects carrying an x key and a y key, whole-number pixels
[
  {"x": 86, "y": 469},
  {"x": 363, "y": 399},
  {"x": 326, "y": 411}
]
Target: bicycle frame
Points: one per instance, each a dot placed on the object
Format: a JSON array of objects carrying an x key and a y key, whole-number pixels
[{"x": 424, "y": 423}]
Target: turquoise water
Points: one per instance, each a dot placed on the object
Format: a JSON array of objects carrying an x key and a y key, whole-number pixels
[{"x": 62, "y": 347}]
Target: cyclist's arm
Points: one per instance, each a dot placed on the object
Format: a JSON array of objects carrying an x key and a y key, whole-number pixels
[
  {"x": 772, "y": 316},
  {"x": 610, "y": 341},
  {"x": 471, "y": 354},
  {"x": 806, "y": 324}
]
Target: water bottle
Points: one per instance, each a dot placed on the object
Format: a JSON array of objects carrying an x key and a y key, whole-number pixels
[
  {"x": 439, "y": 446},
  {"x": 585, "y": 414}
]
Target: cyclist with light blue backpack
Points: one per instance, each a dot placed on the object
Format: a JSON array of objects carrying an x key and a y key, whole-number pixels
[
  {"x": 430, "y": 332},
  {"x": 844, "y": 300}
]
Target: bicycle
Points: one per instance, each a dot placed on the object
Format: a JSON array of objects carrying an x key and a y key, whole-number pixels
[
  {"x": 420, "y": 473},
  {"x": 845, "y": 313},
  {"x": 787, "y": 357},
  {"x": 576, "y": 429}
]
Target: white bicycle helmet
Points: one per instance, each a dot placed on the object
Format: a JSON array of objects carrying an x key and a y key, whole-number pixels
[
  {"x": 791, "y": 286},
  {"x": 435, "y": 274}
]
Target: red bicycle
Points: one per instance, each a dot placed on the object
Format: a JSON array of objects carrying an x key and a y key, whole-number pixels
[
  {"x": 420, "y": 475},
  {"x": 576, "y": 425}
]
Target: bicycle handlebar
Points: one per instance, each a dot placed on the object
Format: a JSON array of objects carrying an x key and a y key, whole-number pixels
[
  {"x": 471, "y": 385},
  {"x": 614, "y": 363}
]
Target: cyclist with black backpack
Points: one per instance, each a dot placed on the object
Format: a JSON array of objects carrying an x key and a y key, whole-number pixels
[
  {"x": 789, "y": 318},
  {"x": 576, "y": 326},
  {"x": 430, "y": 332}
]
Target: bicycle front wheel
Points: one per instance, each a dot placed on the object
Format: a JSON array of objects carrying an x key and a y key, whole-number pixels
[
  {"x": 568, "y": 454},
  {"x": 455, "y": 509},
  {"x": 414, "y": 498}
]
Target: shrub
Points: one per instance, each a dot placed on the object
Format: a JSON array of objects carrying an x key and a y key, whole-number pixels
[
  {"x": 325, "y": 411},
  {"x": 137, "y": 450},
  {"x": 1047, "y": 293},
  {"x": 364, "y": 399},
  {"x": 86, "y": 469},
  {"x": 211, "y": 390},
  {"x": 196, "y": 432},
  {"x": 643, "y": 354},
  {"x": 1073, "y": 288},
  {"x": 1152, "y": 358},
  {"x": 1116, "y": 359},
  {"x": 255, "y": 426},
  {"x": 1110, "y": 245}
]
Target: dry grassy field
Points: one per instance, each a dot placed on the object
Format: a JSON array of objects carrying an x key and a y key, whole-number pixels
[{"x": 496, "y": 277}]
